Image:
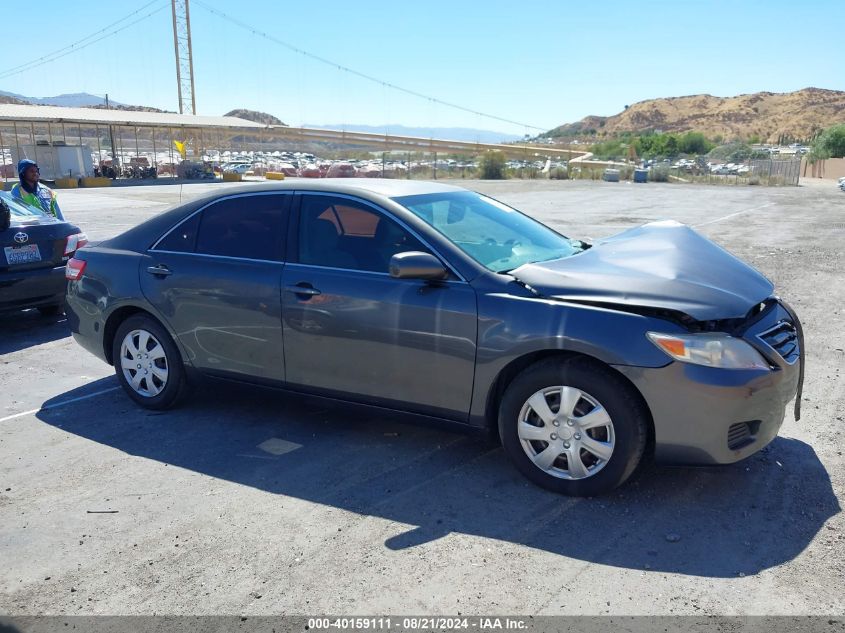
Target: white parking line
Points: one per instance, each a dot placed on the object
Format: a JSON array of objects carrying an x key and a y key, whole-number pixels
[
  {"x": 58, "y": 404},
  {"x": 731, "y": 215}
]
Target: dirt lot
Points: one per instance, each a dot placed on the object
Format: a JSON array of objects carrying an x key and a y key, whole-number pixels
[{"x": 246, "y": 502}]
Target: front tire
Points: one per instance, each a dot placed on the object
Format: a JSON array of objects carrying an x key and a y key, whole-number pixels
[
  {"x": 573, "y": 426},
  {"x": 147, "y": 363}
]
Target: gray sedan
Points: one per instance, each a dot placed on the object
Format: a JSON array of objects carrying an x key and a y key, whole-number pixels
[{"x": 434, "y": 300}]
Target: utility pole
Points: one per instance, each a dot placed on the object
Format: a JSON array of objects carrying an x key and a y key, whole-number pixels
[
  {"x": 184, "y": 56},
  {"x": 115, "y": 161}
]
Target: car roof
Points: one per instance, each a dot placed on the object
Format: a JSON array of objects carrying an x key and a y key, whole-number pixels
[
  {"x": 387, "y": 187},
  {"x": 372, "y": 188}
]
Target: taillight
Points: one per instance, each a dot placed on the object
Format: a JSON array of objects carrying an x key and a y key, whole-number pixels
[
  {"x": 74, "y": 269},
  {"x": 75, "y": 242}
]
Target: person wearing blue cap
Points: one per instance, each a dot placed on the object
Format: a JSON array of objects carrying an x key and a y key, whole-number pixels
[{"x": 32, "y": 192}]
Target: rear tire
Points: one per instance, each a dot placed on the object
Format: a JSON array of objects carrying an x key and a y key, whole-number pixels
[
  {"x": 573, "y": 426},
  {"x": 148, "y": 364}
]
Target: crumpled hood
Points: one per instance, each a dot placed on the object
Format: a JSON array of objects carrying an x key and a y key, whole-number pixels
[{"x": 663, "y": 265}]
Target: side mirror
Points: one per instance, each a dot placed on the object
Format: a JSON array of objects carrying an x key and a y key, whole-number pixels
[
  {"x": 5, "y": 216},
  {"x": 416, "y": 265}
]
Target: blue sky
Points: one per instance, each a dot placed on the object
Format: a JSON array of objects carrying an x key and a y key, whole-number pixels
[{"x": 541, "y": 63}]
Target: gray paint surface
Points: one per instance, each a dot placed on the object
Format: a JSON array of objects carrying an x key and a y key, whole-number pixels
[
  {"x": 659, "y": 265},
  {"x": 397, "y": 342}
]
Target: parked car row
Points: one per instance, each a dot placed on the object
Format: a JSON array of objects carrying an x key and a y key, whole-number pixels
[
  {"x": 307, "y": 165},
  {"x": 729, "y": 169},
  {"x": 237, "y": 168},
  {"x": 793, "y": 149},
  {"x": 687, "y": 164},
  {"x": 351, "y": 168}
]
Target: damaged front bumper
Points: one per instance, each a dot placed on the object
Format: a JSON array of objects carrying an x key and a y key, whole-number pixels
[{"x": 706, "y": 415}]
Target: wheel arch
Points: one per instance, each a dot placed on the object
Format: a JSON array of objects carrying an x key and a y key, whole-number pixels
[
  {"x": 113, "y": 323},
  {"x": 510, "y": 371}
]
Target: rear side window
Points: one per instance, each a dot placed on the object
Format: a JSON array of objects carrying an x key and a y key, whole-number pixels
[
  {"x": 246, "y": 226},
  {"x": 183, "y": 238}
]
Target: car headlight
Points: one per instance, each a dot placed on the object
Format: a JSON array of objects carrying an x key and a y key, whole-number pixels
[{"x": 711, "y": 350}]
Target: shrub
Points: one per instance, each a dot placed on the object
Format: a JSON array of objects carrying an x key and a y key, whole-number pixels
[
  {"x": 559, "y": 173},
  {"x": 613, "y": 149},
  {"x": 694, "y": 143},
  {"x": 659, "y": 173},
  {"x": 492, "y": 166},
  {"x": 670, "y": 145}
]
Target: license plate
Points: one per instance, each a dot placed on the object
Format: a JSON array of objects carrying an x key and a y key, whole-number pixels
[{"x": 22, "y": 254}]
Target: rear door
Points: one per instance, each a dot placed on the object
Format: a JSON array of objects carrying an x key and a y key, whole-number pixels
[{"x": 216, "y": 280}]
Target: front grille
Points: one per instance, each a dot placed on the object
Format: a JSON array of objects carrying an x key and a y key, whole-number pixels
[
  {"x": 739, "y": 435},
  {"x": 783, "y": 338}
]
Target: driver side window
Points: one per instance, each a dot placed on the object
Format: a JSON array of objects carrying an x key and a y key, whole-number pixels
[{"x": 341, "y": 233}]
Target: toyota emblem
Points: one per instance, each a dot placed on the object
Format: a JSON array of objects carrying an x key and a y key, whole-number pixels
[{"x": 21, "y": 237}]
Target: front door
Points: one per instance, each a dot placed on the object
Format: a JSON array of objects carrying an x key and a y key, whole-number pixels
[
  {"x": 352, "y": 330},
  {"x": 216, "y": 280}
]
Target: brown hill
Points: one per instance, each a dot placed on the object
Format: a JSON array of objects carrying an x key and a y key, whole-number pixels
[
  {"x": 129, "y": 108},
  {"x": 767, "y": 115},
  {"x": 254, "y": 115}
]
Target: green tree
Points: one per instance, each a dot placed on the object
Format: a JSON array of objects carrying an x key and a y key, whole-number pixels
[
  {"x": 611, "y": 149},
  {"x": 644, "y": 145},
  {"x": 694, "y": 143},
  {"x": 817, "y": 154},
  {"x": 671, "y": 145},
  {"x": 651, "y": 145},
  {"x": 492, "y": 165},
  {"x": 831, "y": 142}
]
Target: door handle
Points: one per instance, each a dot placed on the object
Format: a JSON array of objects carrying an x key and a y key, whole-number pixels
[
  {"x": 161, "y": 270},
  {"x": 303, "y": 290}
]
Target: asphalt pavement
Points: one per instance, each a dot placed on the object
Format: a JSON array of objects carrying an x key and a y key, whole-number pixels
[{"x": 254, "y": 502}]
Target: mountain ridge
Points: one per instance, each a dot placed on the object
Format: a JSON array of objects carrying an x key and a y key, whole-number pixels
[
  {"x": 767, "y": 115},
  {"x": 67, "y": 100}
]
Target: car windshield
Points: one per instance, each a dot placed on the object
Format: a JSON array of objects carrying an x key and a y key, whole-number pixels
[
  {"x": 494, "y": 234},
  {"x": 20, "y": 210}
]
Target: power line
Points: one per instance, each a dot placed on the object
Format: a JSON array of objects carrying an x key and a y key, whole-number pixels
[
  {"x": 381, "y": 82},
  {"x": 84, "y": 42}
]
